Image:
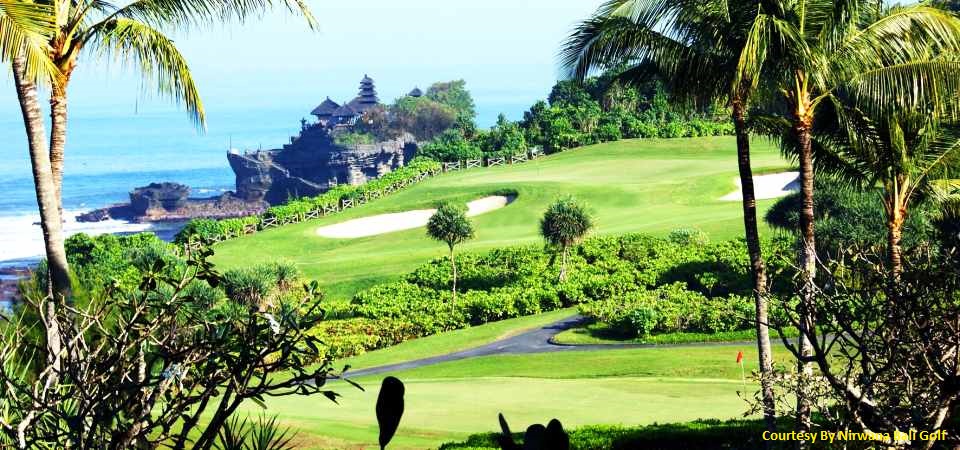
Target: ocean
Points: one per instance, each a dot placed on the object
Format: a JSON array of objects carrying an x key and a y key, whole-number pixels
[{"x": 111, "y": 152}]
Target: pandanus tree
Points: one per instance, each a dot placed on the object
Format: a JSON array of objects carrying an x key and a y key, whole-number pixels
[
  {"x": 564, "y": 224},
  {"x": 805, "y": 52},
  {"x": 694, "y": 46},
  {"x": 451, "y": 226},
  {"x": 910, "y": 156}
]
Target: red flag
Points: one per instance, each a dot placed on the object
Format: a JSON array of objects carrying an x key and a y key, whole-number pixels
[{"x": 739, "y": 357}]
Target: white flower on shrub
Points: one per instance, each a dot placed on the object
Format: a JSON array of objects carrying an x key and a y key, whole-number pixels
[{"x": 274, "y": 325}]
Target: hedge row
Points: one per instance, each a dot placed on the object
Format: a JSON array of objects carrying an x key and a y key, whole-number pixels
[
  {"x": 671, "y": 308},
  {"x": 689, "y": 285},
  {"x": 298, "y": 210}
]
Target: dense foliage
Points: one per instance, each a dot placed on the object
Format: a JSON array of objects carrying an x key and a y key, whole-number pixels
[
  {"x": 848, "y": 217},
  {"x": 444, "y": 106},
  {"x": 671, "y": 308},
  {"x": 707, "y": 284},
  {"x": 599, "y": 110},
  {"x": 148, "y": 341}
]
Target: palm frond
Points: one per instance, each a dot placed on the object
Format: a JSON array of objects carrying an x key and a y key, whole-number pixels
[
  {"x": 188, "y": 13},
  {"x": 25, "y": 28},
  {"x": 154, "y": 55},
  {"x": 909, "y": 86},
  {"x": 900, "y": 36}
]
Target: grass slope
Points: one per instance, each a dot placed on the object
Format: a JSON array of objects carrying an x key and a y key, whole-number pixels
[{"x": 649, "y": 186}]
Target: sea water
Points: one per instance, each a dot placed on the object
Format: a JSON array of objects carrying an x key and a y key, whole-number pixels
[{"x": 111, "y": 152}]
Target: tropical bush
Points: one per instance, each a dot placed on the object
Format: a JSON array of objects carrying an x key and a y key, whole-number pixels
[
  {"x": 671, "y": 308},
  {"x": 147, "y": 340},
  {"x": 638, "y": 283},
  {"x": 847, "y": 217}
]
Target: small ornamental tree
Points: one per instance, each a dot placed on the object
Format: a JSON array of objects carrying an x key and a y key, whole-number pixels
[
  {"x": 565, "y": 224},
  {"x": 451, "y": 226},
  {"x": 165, "y": 364}
]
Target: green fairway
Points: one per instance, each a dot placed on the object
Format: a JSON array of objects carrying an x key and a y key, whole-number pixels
[
  {"x": 451, "y": 400},
  {"x": 651, "y": 186}
]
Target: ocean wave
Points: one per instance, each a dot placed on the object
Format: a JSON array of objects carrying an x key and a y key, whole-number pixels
[{"x": 21, "y": 238}]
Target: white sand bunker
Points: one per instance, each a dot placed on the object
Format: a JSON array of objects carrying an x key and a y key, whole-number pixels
[
  {"x": 768, "y": 186},
  {"x": 388, "y": 223}
]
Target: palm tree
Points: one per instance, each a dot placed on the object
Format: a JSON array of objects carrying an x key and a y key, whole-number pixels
[
  {"x": 808, "y": 51},
  {"x": 564, "y": 224},
  {"x": 450, "y": 225},
  {"x": 131, "y": 33},
  {"x": 25, "y": 28},
  {"x": 695, "y": 46},
  {"x": 911, "y": 155}
]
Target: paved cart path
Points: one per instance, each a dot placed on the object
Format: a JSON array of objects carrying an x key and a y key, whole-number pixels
[{"x": 538, "y": 340}]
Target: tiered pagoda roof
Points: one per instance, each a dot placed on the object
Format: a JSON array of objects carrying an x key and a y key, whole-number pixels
[
  {"x": 416, "y": 92},
  {"x": 367, "y": 97},
  {"x": 325, "y": 109}
]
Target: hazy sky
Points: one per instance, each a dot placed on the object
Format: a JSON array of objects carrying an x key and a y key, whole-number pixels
[{"x": 505, "y": 49}]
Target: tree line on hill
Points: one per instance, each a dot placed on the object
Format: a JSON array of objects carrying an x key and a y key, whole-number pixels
[{"x": 600, "y": 110}]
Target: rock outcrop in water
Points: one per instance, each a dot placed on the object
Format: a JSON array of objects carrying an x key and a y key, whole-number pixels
[
  {"x": 159, "y": 198},
  {"x": 312, "y": 164}
]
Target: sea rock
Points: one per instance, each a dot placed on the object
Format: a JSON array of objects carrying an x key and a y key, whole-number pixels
[
  {"x": 312, "y": 164},
  {"x": 158, "y": 198}
]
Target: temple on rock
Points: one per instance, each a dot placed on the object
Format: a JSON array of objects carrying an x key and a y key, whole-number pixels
[
  {"x": 313, "y": 162},
  {"x": 330, "y": 114}
]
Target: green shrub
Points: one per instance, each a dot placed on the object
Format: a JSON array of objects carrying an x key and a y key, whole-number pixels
[
  {"x": 688, "y": 236},
  {"x": 250, "y": 286},
  {"x": 670, "y": 308}
]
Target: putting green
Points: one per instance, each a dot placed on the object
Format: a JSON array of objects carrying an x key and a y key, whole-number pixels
[
  {"x": 651, "y": 186},
  {"x": 451, "y": 400}
]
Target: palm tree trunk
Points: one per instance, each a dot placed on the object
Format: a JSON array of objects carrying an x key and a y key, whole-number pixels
[
  {"x": 808, "y": 266},
  {"x": 563, "y": 264},
  {"x": 453, "y": 264},
  {"x": 758, "y": 268},
  {"x": 898, "y": 215},
  {"x": 58, "y": 136},
  {"x": 58, "y": 272}
]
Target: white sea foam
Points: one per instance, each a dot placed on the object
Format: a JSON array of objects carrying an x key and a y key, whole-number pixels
[{"x": 21, "y": 239}]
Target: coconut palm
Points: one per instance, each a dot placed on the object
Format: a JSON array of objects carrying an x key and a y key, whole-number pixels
[
  {"x": 564, "y": 224},
  {"x": 695, "y": 47},
  {"x": 132, "y": 33},
  {"x": 451, "y": 226},
  {"x": 808, "y": 51},
  {"x": 910, "y": 155}
]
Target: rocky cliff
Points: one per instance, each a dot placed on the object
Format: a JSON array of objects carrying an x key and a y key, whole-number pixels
[{"x": 312, "y": 164}]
